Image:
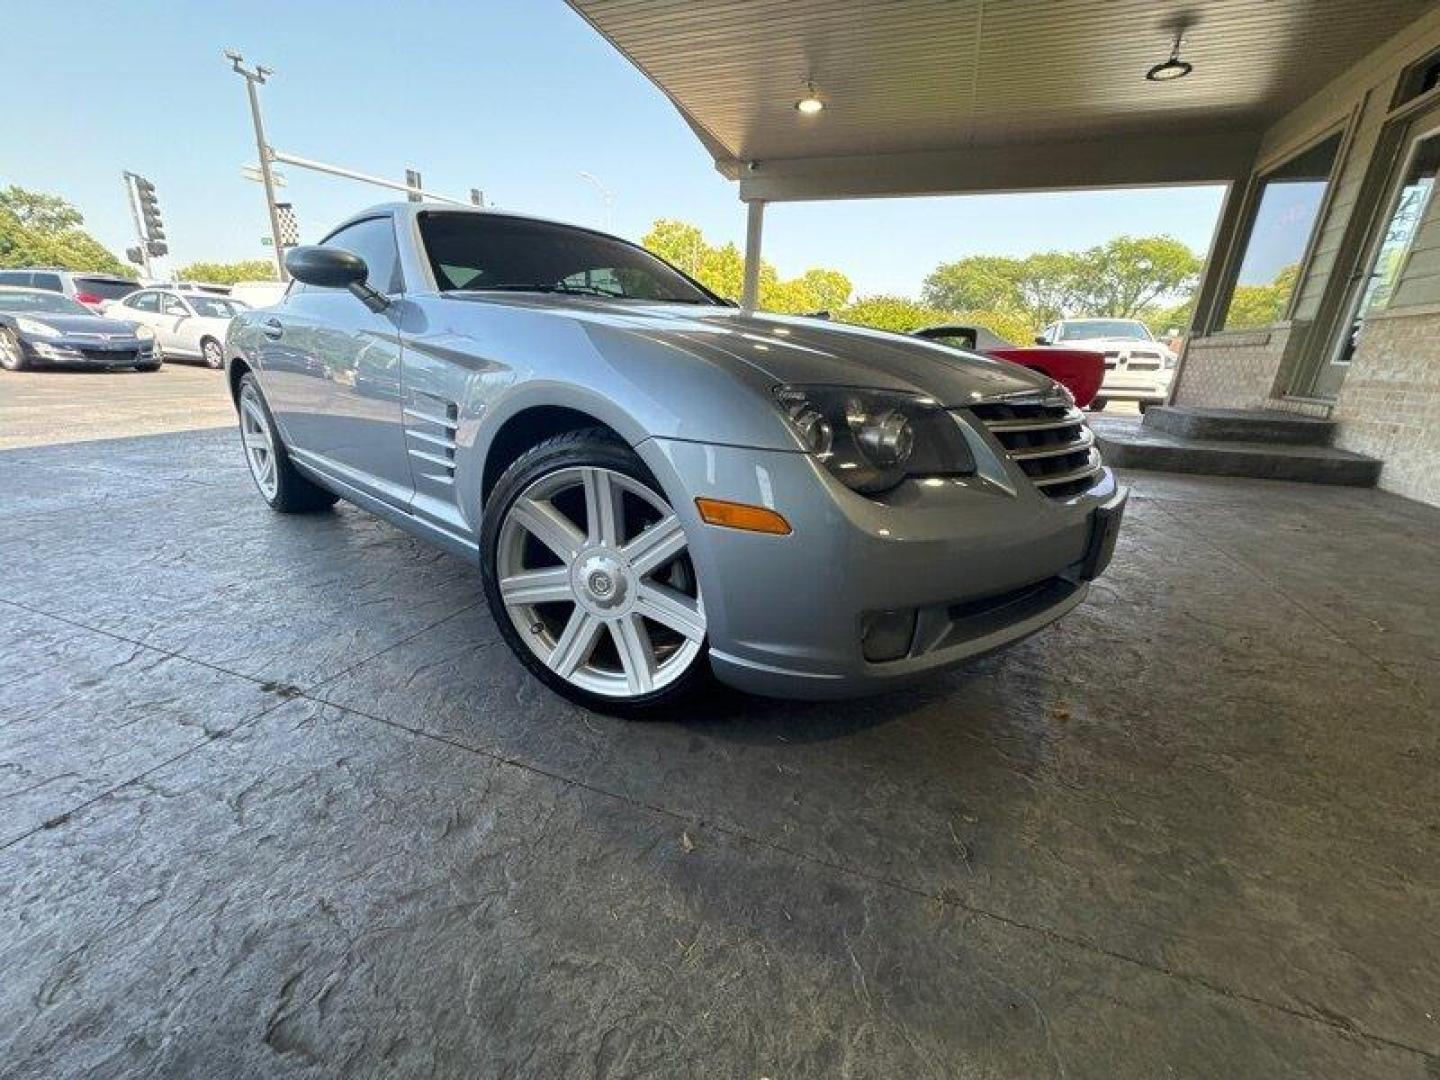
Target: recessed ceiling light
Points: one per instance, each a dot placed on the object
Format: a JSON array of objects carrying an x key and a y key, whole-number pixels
[
  {"x": 1172, "y": 69},
  {"x": 810, "y": 104}
]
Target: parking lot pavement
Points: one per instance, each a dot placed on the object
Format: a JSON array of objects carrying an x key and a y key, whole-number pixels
[
  {"x": 38, "y": 408},
  {"x": 279, "y": 802}
]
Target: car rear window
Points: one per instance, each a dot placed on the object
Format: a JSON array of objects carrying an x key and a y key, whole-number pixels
[{"x": 105, "y": 288}]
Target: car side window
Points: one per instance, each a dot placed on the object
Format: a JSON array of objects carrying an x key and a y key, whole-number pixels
[
  {"x": 374, "y": 241},
  {"x": 173, "y": 305},
  {"x": 145, "y": 301},
  {"x": 14, "y": 277},
  {"x": 957, "y": 339},
  {"x": 47, "y": 281}
]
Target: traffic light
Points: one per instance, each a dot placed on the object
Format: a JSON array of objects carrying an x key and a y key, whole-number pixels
[
  {"x": 135, "y": 256},
  {"x": 152, "y": 223},
  {"x": 413, "y": 182},
  {"x": 157, "y": 247}
]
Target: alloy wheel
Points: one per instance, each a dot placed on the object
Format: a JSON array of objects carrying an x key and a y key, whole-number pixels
[
  {"x": 594, "y": 571},
  {"x": 259, "y": 442},
  {"x": 214, "y": 356}
]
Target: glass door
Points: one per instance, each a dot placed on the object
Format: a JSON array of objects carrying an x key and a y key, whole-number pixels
[{"x": 1370, "y": 291}]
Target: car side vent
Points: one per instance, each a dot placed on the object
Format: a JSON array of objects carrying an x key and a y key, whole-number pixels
[
  {"x": 430, "y": 426},
  {"x": 1049, "y": 440}
]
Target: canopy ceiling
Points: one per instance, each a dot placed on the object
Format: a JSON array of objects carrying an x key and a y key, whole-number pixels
[{"x": 989, "y": 78}]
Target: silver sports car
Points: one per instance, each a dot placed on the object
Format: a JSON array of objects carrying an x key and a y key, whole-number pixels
[{"x": 657, "y": 485}]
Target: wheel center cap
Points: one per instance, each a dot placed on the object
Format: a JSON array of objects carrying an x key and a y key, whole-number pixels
[{"x": 601, "y": 582}]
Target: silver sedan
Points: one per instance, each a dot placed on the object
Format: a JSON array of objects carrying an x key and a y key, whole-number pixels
[{"x": 657, "y": 485}]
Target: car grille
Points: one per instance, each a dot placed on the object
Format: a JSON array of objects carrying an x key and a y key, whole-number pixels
[
  {"x": 109, "y": 356},
  {"x": 1048, "y": 440}
]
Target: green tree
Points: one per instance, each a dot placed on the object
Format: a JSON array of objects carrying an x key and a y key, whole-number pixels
[
  {"x": 44, "y": 230},
  {"x": 976, "y": 283},
  {"x": 1255, "y": 306},
  {"x": 1047, "y": 286},
  {"x": 678, "y": 243},
  {"x": 216, "y": 273},
  {"x": 1123, "y": 277},
  {"x": 722, "y": 270},
  {"x": 45, "y": 214},
  {"x": 895, "y": 313}
]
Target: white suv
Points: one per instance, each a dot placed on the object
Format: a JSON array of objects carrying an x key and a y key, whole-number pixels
[{"x": 1137, "y": 367}]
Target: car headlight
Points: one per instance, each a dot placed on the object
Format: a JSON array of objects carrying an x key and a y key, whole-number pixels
[
  {"x": 144, "y": 333},
  {"x": 871, "y": 440},
  {"x": 35, "y": 328},
  {"x": 1170, "y": 359}
]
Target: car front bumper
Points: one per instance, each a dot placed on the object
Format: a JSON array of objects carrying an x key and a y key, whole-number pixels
[
  {"x": 86, "y": 352},
  {"x": 1149, "y": 387},
  {"x": 980, "y": 564}
]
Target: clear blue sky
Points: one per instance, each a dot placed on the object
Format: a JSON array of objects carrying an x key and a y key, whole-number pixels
[{"x": 512, "y": 96}]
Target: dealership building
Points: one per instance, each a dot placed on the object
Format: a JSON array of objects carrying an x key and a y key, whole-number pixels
[{"x": 1321, "y": 118}]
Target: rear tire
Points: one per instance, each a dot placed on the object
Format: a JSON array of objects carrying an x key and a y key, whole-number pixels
[
  {"x": 1098, "y": 405},
  {"x": 280, "y": 484},
  {"x": 12, "y": 353},
  {"x": 588, "y": 576},
  {"x": 212, "y": 353}
]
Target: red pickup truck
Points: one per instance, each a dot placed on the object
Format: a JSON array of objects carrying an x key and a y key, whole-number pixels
[{"x": 1078, "y": 370}]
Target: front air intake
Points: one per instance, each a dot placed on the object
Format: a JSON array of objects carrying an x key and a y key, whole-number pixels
[{"x": 1048, "y": 439}]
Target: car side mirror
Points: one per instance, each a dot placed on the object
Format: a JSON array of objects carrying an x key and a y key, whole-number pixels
[{"x": 334, "y": 268}]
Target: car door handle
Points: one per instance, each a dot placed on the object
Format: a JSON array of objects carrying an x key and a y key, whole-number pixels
[{"x": 272, "y": 328}]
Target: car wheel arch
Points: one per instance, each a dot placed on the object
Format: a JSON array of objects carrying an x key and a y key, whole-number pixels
[
  {"x": 526, "y": 428},
  {"x": 236, "y": 370}
]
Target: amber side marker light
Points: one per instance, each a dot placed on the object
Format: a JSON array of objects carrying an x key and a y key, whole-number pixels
[{"x": 742, "y": 516}]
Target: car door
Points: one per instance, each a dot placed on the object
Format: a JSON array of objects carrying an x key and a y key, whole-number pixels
[
  {"x": 172, "y": 328},
  {"x": 331, "y": 371}
]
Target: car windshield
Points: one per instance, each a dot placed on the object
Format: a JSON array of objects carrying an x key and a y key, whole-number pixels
[
  {"x": 40, "y": 303},
  {"x": 213, "y": 307},
  {"x": 491, "y": 251},
  {"x": 1085, "y": 329}
]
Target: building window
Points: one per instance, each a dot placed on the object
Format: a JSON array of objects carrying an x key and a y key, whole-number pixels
[
  {"x": 1286, "y": 211},
  {"x": 1419, "y": 78}
]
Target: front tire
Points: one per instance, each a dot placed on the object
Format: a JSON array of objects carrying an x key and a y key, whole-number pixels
[
  {"x": 12, "y": 353},
  {"x": 588, "y": 574},
  {"x": 212, "y": 353},
  {"x": 280, "y": 484}
]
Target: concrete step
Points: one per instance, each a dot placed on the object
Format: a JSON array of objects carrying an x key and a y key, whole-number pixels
[
  {"x": 1128, "y": 445},
  {"x": 1240, "y": 425}
]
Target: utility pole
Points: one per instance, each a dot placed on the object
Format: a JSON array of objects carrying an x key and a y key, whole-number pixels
[{"x": 254, "y": 77}]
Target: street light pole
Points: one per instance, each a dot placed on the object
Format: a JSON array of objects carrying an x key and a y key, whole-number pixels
[
  {"x": 607, "y": 197},
  {"x": 256, "y": 77}
]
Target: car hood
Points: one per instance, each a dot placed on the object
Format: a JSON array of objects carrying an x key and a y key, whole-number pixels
[
  {"x": 79, "y": 324},
  {"x": 795, "y": 350}
]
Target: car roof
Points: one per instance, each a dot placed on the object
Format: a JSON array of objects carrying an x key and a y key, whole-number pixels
[{"x": 408, "y": 210}]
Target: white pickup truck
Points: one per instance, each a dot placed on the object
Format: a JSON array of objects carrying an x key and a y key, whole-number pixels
[{"x": 1137, "y": 367}]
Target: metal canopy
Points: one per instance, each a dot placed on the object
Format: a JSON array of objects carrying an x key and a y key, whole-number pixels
[{"x": 970, "y": 95}]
